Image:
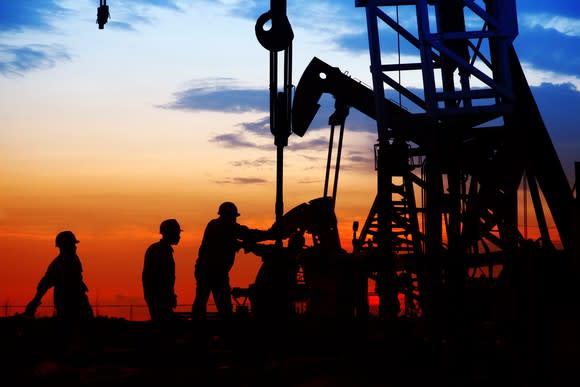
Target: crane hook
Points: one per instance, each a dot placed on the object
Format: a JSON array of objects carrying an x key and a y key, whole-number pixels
[
  {"x": 103, "y": 14},
  {"x": 280, "y": 35}
]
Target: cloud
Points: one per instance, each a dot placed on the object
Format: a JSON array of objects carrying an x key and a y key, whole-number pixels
[
  {"x": 170, "y": 4},
  {"x": 549, "y": 49},
  {"x": 117, "y": 25},
  {"x": 242, "y": 180},
  {"x": 319, "y": 143},
  {"x": 21, "y": 15},
  {"x": 562, "y": 24},
  {"x": 564, "y": 8},
  {"x": 255, "y": 163},
  {"x": 16, "y": 60},
  {"x": 260, "y": 127},
  {"x": 233, "y": 140},
  {"x": 222, "y": 95},
  {"x": 125, "y": 13}
]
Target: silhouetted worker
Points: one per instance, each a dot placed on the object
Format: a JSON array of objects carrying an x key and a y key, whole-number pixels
[
  {"x": 274, "y": 290},
  {"x": 222, "y": 239},
  {"x": 158, "y": 275},
  {"x": 65, "y": 275}
]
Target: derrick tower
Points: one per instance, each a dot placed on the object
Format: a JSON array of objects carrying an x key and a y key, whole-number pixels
[
  {"x": 449, "y": 173},
  {"x": 459, "y": 135}
]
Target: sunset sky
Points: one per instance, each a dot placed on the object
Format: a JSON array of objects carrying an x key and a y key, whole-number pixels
[{"x": 163, "y": 114}]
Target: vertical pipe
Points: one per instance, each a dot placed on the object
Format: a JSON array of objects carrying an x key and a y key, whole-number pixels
[
  {"x": 337, "y": 166},
  {"x": 328, "y": 159}
]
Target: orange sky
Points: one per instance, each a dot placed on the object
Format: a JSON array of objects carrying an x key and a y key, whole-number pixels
[
  {"x": 117, "y": 217},
  {"x": 115, "y": 230}
]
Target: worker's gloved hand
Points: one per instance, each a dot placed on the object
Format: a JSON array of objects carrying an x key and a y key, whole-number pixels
[{"x": 31, "y": 307}]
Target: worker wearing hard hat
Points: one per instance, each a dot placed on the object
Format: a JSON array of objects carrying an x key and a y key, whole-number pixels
[
  {"x": 222, "y": 239},
  {"x": 158, "y": 276},
  {"x": 65, "y": 275}
]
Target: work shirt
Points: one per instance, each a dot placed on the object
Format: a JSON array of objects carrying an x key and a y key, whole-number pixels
[
  {"x": 222, "y": 238},
  {"x": 64, "y": 274},
  {"x": 158, "y": 275}
]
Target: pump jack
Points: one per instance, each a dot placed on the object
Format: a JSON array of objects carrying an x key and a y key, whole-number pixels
[{"x": 445, "y": 216}]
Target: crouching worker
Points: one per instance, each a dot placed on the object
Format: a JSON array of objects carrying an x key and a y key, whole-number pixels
[{"x": 273, "y": 292}]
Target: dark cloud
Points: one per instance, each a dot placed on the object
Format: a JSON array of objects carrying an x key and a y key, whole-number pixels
[
  {"x": 260, "y": 127},
  {"x": 17, "y": 60},
  {"x": 309, "y": 181},
  {"x": 127, "y": 13},
  {"x": 357, "y": 43},
  {"x": 319, "y": 143},
  {"x": 548, "y": 49},
  {"x": 233, "y": 140},
  {"x": 117, "y": 25},
  {"x": 563, "y": 8},
  {"x": 242, "y": 180},
  {"x": 18, "y": 15},
  {"x": 255, "y": 163},
  {"x": 220, "y": 98},
  {"x": 170, "y": 4}
]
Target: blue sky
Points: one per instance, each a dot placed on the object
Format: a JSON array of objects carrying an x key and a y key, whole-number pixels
[{"x": 39, "y": 37}]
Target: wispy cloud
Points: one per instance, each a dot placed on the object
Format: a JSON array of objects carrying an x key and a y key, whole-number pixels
[
  {"x": 131, "y": 12},
  {"x": 255, "y": 163},
  {"x": 549, "y": 49},
  {"x": 18, "y": 18},
  {"x": 23, "y": 15},
  {"x": 260, "y": 127},
  {"x": 242, "y": 180},
  {"x": 124, "y": 26},
  {"x": 16, "y": 60},
  {"x": 233, "y": 140},
  {"x": 564, "y": 25},
  {"x": 170, "y": 4},
  {"x": 220, "y": 94},
  {"x": 319, "y": 143}
]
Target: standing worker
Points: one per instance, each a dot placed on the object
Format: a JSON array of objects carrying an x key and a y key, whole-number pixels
[
  {"x": 222, "y": 239},
  {"x": 65, "y": 276},
  {"x": 158, "y": 275}
]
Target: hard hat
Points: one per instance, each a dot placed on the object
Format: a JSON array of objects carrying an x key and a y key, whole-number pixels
[
  {"x": 228, "y": 209},
  {"x": 169, "y": 226},
  {"x": 65, "y": 238}
]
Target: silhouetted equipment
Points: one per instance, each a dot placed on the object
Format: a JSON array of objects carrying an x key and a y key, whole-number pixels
[
  {"x": 103, "y": 14},
  {"x": 450, "y": 159},
  {"x": 275, "y": 39},
  {"x": 279, "y": 35}
]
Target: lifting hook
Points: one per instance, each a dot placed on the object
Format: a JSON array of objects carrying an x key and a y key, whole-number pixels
[{"x": 279, "y": 36}]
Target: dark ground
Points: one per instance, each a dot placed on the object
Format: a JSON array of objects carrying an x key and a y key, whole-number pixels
[{"x": 302, "y": 353}]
